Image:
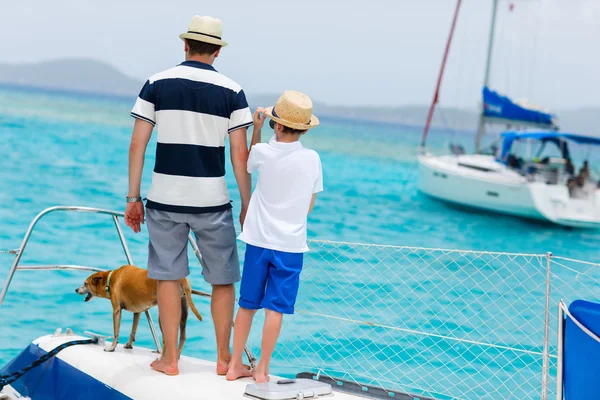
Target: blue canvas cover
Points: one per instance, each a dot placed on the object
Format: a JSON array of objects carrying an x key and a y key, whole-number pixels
[
  {"x": 501, "y": 107},
  {"x": 582, "y": 353},
  {"x": 56, "y": 379},
  {"x": 509, "y": 137}
]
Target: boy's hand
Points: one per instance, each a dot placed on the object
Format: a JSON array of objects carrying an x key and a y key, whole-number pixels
[
  {"x": 243, "y": 212},
  {"x": 258, "y": 119}
]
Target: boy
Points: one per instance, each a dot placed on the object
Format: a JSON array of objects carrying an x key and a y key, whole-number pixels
[{"x": 289, "y": 179}]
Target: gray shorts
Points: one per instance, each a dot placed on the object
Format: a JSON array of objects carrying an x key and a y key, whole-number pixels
[{"x": 168, "y": 248}]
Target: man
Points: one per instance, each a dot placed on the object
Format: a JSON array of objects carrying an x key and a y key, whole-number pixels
[{"x": 194, "y": 108}]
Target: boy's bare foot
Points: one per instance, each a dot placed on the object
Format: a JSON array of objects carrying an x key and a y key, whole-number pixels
[
  {"x": 223, "y": 367},
  {"x": 166, "y": 368},
  {"x": 237, "y": 373},
  {"x": 260, "y": 376}
]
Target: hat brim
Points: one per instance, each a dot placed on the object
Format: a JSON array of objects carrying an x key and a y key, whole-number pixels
[
  {"x": 202, "y": 38},
  {"x": 314, "y": 121}
]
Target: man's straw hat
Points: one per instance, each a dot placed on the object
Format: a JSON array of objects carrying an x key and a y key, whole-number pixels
[
  {"x": 205, "y": 29},
  {"x": 294, "y": 110}
]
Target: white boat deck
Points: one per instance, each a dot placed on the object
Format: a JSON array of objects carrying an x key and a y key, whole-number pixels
[{"x": 129, "y": 372}]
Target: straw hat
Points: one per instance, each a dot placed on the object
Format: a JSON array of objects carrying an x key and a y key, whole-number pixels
[
  {"x": 294, "y": 110},
  {"x": 205, "y": 29}
]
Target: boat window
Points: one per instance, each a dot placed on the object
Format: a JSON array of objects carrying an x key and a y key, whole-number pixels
[
  {"x": 546, "y": 151},
  {"x": 475, "y": 167}
]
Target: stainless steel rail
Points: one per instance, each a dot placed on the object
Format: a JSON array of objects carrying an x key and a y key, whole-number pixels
[
  {"x": 59, "y": 267},
  {"x": 19, "y": 253},
  {"x": 53, "y": 267}
]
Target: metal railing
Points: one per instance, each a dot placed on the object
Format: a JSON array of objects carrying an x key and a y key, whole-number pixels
[
  {"x": 115, "y": 217},
  {"x": 19, "y": 253},
  {"x": 571, "y": 280}
]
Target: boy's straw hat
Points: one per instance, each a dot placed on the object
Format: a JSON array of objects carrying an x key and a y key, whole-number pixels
[
  {"x": 205, "y": 29},
  {"x": 294, "y": 110}
]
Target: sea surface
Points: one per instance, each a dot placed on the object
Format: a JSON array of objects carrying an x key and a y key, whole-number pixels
[{"x": 72, "y": 149}]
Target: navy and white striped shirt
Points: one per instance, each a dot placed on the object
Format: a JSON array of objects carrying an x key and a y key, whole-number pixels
[{"x": 194, "y": 108}]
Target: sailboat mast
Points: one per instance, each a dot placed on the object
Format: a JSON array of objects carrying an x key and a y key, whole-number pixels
[
  {"x": 439, "y": 80},
  {"x": 486, "y": 79}
]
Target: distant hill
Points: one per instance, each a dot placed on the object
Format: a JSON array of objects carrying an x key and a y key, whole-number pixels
[
  {"x": 406, "y": 115},
  {"x": 584, "y": 120},
  {"x": 88, "y": 75},
  {"x": 80, "y": 75}
]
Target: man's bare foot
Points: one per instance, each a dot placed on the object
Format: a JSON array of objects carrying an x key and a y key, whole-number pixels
[
  {"x": 237, "y": 373},
  {"x": 222, "y": 367},
  {"x": 260, "y": 376},
  {"x": 153, "y": 363},
  {"x": 166, "y": 368}
]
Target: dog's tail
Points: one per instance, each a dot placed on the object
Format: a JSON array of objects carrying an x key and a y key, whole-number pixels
[{"x": 187, "y": 289}]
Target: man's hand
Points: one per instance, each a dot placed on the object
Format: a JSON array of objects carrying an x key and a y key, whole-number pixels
[{"x": 134, "y": 215}]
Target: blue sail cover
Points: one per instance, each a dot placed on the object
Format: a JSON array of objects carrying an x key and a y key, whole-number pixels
[{"x": 496, "y": 106}]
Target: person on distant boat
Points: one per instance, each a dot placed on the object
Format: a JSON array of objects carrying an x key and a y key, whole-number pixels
[
  {"x": 289, "y": 178},
  {"x": 585, "y": 171},
  {"x": 576, "y": 187},
  {"x": 515, "y": 162},
  {"x": 569, "y": 168},
  {"x": 195, "y": 109}
]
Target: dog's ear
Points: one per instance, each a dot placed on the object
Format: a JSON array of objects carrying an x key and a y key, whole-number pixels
[{"x": 96, "y": 280}]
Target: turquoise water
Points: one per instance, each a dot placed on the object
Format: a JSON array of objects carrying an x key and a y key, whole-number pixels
[{"x": 66, "y": 149}]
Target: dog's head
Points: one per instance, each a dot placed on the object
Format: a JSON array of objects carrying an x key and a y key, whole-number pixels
[{"x": 94, "y": 286}]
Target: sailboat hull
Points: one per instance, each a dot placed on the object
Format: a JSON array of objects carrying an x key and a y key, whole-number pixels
[{"x": 478, "y": 182}]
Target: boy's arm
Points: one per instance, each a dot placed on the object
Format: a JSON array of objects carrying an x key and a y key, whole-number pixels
[
  {"x": 259, "y": 121},
  {"x": 312, "y": 203},
  {"x": 318, "y": 185},
  {"x": 239, "y": 159}
]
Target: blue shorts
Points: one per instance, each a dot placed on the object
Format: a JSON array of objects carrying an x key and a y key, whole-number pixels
[{"x": 270, "y": 279}]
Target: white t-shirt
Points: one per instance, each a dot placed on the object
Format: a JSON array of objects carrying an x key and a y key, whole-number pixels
[{"x": 288, "y": 175}]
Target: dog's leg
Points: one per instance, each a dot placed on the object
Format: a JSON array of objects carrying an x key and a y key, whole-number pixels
[
  {"x": 136, "y": 321},
  {"x": 182, "y": 325},
  {"x": 117, "y": 327}
]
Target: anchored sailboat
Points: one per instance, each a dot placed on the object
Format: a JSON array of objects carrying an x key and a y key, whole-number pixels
[{"x": 539, "y": 187}]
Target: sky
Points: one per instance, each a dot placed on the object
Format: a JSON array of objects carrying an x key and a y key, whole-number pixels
[{"x": 341, "y": 52}]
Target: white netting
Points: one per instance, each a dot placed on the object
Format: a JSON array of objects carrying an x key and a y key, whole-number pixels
[{"x": 439, "y": 323}]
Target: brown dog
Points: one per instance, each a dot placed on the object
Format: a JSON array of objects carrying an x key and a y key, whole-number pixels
[{"x": 129, "y": 288}]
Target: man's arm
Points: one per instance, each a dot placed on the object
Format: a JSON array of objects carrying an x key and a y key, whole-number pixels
[
  {"x": 142, "y": 131},
  {"x": 239, "y": 159}
]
